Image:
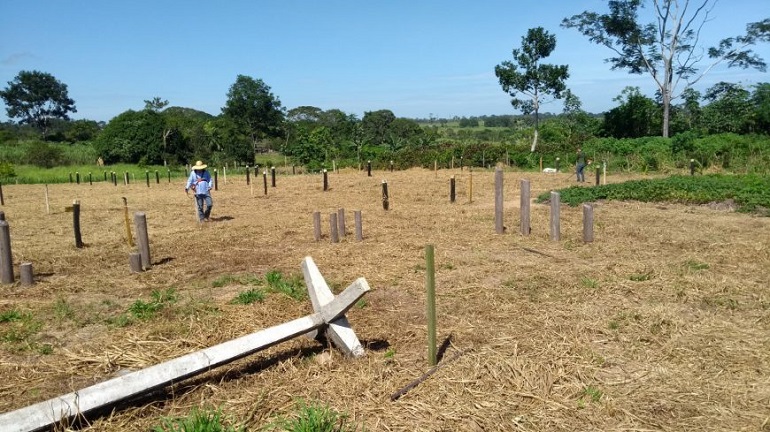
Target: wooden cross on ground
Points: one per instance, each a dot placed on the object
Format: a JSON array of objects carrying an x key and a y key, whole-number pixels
[{"x": 328, "y": 316}]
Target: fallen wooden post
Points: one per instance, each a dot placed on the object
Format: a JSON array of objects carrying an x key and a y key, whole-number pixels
[{"x": 329, "y": 313}]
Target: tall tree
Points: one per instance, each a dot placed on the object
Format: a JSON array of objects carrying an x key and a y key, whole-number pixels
[
  {"x": 252, "y": 106},
  {"x": 155, "y": 104},
  {"x": 527, "y": 75},
  {"x": 636, "y": 116},
  {"x": 36, "y": 98},
  {"x": 760, "y": 98},
  {"x": 667, "y": 49},
  {"x": 729, "y": 109}
]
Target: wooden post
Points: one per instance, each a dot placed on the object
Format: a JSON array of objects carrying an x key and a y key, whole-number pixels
[
  {"x": 248, "y": 176},
  {"x": 169, "y": 174},
  {"x": 157, "y": 177},
  {"x": 430, "y": 283},
  {"x": 385, "y": 197},
  {"x": 293, "y": 169},
  {"x": 272, "y": 176},
  {"x": 391, "y": 166},
  {"x": 77, "y": 177},
  {"x": 461, "y": 163},
  {"x": 692, "y": 167},
  {"x": 125, "y": 178},
  {"x": 264, "y": 180},
  {"x": 317, "y": 225},
  {"x": 90, "y": 180},
  {"x": 558, "y": 162},
  {"x": 135, "y": 262},
  {"x": 588, "y": 223},
  {"x": 499, "y": 228},
  {"x": 341, "y": 221},
  {"x": 115, "y": 178},
  {"x": 359, "y": 228},
  {"x": 70, "y": 177},
  {"x": 216, "y": 180},
  {"x": 25, "y": 274},
  {"x": 333, "y": 225},
  {"x": 604, "y": 172},
  {"x": 129, "y": 237},
  {"x": 435, "y": 167},
  {"x": 541, "y": 163},
  {"x": 369, "y": 168},
  {"x": 334, "y": 166},
  {"x": 224, "y": 174},
  {"x": 142, "y": 239},
  {"x": 326, "y": 181},
  {"x": 47, "y": 203},
  {"x": 452, "y": 165},
  {"x": 524, "y": 207},
  {"x": 105, "y": 176},
  {"x": 452, "y": 189},
  {"x": 470, "y": 185},
  {"x": 555, "y": 222},
  {"x": 76, "y": 223},
  {"x": 6, "y": 256},
  {"x": 598, "y": 175}
]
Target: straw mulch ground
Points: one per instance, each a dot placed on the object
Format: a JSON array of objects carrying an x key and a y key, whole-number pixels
[{"x": 663, "y": 323}]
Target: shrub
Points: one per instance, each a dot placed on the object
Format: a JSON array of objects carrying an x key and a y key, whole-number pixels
[{"x": 43, "y": 155}]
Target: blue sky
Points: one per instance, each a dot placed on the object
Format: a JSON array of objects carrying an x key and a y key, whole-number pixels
[{"x": 415, "y": 58}]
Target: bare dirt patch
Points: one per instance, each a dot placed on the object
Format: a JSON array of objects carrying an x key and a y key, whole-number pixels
[{"x": 663, "y": 323}]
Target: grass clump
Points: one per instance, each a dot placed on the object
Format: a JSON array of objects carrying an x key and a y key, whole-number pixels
[
  {"x": 248, "y": 297},
  {"x": 18, "y": 328},
  {"x": 314, "y": 417},
  {"x": 159, "y": 299},
  {"x": 292, "y": 287},
  {"x": 200, "y": 420}
]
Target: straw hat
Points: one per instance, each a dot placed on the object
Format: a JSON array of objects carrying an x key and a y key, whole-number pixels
[{"x": 199, "y": 166}]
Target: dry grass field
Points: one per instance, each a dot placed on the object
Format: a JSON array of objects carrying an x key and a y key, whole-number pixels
[{"x": 662, "y": 323}]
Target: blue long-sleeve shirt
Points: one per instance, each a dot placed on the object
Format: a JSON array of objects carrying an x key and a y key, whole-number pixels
[{"x": 201, "y": 183}]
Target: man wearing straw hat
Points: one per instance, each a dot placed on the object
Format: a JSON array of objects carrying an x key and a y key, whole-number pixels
[{"x": 200, "y": 182}]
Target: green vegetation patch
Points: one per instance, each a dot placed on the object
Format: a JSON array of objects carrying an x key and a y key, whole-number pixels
[
  {"x": 314, "y": 417},
  {"x": 291, "y": 286},
  {"x": 17, "y": 329},
  {"x": 159, "y": 299},
  {"x": 200, "y": 420},
  {"x": 248, "y": 297},
  {"x": 751, "y": 192}
]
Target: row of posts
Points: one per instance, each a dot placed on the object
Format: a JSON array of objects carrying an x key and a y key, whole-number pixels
[
  {"x": 337, "y": 225},
  {"x": 555, "y": 225}
]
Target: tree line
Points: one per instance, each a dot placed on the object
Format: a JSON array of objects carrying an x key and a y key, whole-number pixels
[{"x": 253, "y": 119}]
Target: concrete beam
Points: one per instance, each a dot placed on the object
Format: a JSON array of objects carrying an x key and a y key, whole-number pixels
[
  {"x": 45, "y": 414},
  {"x": 338, "y": 331}
]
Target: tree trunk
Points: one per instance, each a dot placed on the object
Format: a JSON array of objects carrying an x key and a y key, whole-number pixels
[
  {"x": 666, "y": 114},
  {"x": 537, "y": 125}
]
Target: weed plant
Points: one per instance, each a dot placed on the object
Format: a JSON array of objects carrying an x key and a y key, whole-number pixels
[
  {"x": 314, "y": 417},
  {"x": 199, "y": 420},
  {"x": 292, "y": 287}
]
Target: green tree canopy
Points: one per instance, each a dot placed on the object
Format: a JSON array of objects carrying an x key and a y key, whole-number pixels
[
  {"x": 36, "y": 98},
  {"x": 667, "y": 48},
  {"x": 637, "y": 116},
  {"x": 132, "y": 137},
  {"x": 528, "y": 76},
  {"x": 252, "y": 106}
]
